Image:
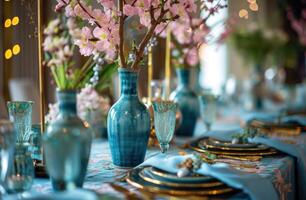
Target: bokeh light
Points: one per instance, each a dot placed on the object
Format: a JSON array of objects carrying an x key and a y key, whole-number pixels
[
  {"x": 7, "y": 23},
  {"x": 15, "y": 21},
  {"x": 243, "y": 13},
  {"x": 8, "y": 54},
  {"x": 16, "y": 49}
]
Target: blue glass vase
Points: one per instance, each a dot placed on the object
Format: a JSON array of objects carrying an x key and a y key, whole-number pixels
[
  {"x": 187, "y": 102},
  {"x": 67, "y": 145},
  {"x": 128, "y": 124}
]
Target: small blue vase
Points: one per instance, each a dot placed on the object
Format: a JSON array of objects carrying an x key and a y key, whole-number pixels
[
  {"x": 187, "y": 102},
  {"x": 67, "y": 144},
  {"x": 128, "y": 124}
]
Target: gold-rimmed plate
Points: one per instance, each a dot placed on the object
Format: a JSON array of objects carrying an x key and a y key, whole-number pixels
[
  {"x": 268, "y": 152},
  {"x": 223, "y": 143},
  {"x": 193, "y": 178},
  {"x": 135, "y": 180},
  {"x": 207, "y": 144},
  {"x": 147, "y": 176}
]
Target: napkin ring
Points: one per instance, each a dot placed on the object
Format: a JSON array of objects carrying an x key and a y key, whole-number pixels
[{"x": 189, "y": 165}]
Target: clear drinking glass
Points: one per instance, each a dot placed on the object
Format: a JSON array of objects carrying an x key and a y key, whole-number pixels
[
  {"x": 164, "y": 122},
  {"x": 208, "y": 109},
  {"x": 20, "y": 113},
  {"x": 7, "y": 143}
]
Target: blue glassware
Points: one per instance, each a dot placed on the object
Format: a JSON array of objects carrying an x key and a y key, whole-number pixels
[
  {"x": 164, "y": 122},
  {"x": 35, "y": 142},
  {"x": 208, "y": 109},
  {"x": 67, "y": 144},
  {"x": 20, "y": 113},
  {"x": 187, "y": 102},
  {"x": 22, "y": 173},
  {"x": 7, "y": 144},
  {"x": 128, "y": 124}
]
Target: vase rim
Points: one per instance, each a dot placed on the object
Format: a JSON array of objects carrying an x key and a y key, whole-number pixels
[
  {"x": 124, "y": 69},
  {"x": 30, "y": 102},
  {"x": 66, "y": 91}
]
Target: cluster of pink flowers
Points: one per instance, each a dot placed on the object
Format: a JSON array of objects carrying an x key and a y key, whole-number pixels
[
  {"x": 191, "y": 31},
  {"x": 58, "y": 44},
  {"x": 105, "y": 31}
]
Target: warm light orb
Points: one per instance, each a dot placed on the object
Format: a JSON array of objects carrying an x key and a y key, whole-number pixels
[
  {"x": 8, "y": 54},
  {"x": 243, "y": 13},
  {"x": 254, "y": 6},
  {"x": 7, "y": 23},
  {"x": 16, "y": 49},
  {"x": 15, "y": 21}
]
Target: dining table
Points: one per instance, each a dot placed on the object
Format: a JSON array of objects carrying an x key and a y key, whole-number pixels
[{"x": 107, "y": 180}]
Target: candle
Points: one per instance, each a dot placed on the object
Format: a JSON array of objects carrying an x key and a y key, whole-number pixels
[
  {"x": 168, "y": 65},
  {"x": 150, "y": 74}
]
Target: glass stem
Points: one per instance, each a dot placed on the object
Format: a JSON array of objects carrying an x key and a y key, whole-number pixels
[{"x": 208, "y": 126}]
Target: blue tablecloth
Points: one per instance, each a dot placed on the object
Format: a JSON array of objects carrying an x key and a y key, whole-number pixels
[{"x": 280, "y": 170}]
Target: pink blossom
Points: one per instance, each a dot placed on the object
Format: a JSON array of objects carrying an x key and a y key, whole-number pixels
[
  {"x": 60, "y": 4},
  {"x": 129, "y": 10},
  {"x": 107, "y": 3}
]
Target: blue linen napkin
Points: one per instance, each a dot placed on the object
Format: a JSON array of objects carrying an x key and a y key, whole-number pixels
[
  {"x": 252, "y": 184},
  {"x": 296, "y": 150}
]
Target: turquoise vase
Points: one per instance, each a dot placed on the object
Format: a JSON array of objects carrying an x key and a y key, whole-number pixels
[
  {"x": 128, "y": 124},
  {"x": 187, "y": 102},
  {"x": 67, "y": 145}
]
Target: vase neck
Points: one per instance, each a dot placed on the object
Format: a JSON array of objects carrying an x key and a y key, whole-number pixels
[
  {"x": 67, "y": 102},
  {"x": 183, "y": 77},
  {"x": 128, "y": 82}
]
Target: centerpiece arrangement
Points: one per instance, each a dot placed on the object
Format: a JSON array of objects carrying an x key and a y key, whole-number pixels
[
  {"x": 189, "y": 34},
  {"x": 67, "y": 166},
  {"x": 108, "y": 26}
]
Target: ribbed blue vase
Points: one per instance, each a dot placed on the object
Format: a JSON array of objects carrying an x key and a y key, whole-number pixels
[
  {"x": 128, "y": 124},
  {"x": 187, "y": 102},
  {"x": 67, "y": 144}
]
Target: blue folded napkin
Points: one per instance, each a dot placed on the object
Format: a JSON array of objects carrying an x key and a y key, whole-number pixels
[
  {"x": 252, "y": 184},
  {"x": 296, "y": 150}
]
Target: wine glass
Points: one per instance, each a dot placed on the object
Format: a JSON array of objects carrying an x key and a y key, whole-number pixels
[
  {"x": 208, "y": 109},
  {"x": 7, "y": 144},
  {"x": 164, "y": 122}
]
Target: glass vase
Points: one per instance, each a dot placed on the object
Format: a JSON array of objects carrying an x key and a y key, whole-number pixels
[
  {"x": 20, "y": 113},
  {"x": 128, "y": 124},
  {"x": 67, "y": 144},
  {"x": 187, "y": 102},
  {"x": 22, "y": 173}
]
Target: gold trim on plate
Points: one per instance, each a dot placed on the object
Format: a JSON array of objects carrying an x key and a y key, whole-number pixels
[
  {"x": 205, "y": 142},
  {"x": 236, "y": 153},
  {"x": 169, "y": 176},
  {"x": 179, "y": 185},
  {"x": 180, "y": 192}
]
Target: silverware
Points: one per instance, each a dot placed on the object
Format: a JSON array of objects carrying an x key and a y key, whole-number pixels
[{"x": 242, "y": 158}]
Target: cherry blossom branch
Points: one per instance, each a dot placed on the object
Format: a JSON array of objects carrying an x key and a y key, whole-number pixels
[
  {"x": 121, "y": 35},
  {"x": 92, "y": 17}
]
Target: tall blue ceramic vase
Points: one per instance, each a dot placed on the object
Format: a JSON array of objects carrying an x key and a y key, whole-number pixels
[
  {"x": 128, "y": 124},
  {"x": 67, "y": 145},
  {"x": 188, "y": 103}
]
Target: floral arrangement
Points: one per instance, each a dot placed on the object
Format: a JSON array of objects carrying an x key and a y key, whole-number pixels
[
  {"x": 190, "y": 32},
  {"x": 257, "y": 44},
  {"x": 108, "y": 25},
  {"x": 61, "y": 34},
  {"x": 88, "y": 100}
]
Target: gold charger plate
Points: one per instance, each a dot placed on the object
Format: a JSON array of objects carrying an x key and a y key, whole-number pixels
[
  {"x": 206, "y": 144},
  {"x": 194, "y": 178},
  {"x": 267, "y": 152},
  {"x": 135, "y": 180},
  {"x": 145, "y": 176}
]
